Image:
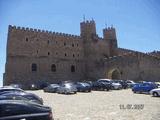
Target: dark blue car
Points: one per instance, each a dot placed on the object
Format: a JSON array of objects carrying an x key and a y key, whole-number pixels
[{"x": 143, "y": 87}]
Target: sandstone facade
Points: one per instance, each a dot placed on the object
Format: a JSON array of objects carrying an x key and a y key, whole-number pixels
[{"x": 43, "y": 56}]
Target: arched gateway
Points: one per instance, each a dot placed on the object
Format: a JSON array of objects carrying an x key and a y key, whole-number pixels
[{"x": 114, "y": 74}]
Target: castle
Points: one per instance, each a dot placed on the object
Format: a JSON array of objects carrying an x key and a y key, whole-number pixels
[{"x": 35, "y": 55}]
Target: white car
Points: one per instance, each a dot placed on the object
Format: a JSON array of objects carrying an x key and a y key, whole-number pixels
[
  {"x": 116, "y": 85},
  {"x": 155, "y": 92},
  {"x": 130, "y": 83}
]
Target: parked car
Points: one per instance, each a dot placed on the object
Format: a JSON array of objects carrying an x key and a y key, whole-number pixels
[
  {"x": 114, "y": 85},
  {"x": 122, "y": 82},
  {"x": 89, "y": 82},
  {"x": 83, "y": 87},
  {"x": 34, "y": 86},
  {"x": 2, "y": 97},
  {"x": 143, "y": 87},
  {"x": 130, "y": 83},
  {"x": 24, "y": 110},
  {"x": 67, "y": 88},
  {"x": 10, "y": 88},
  {"x": 101, "y": 84},
  {"x": 52, "y": 88},
  {"x": 30, "y": 96},
  {"x": 155, "y": 92},
  {"x": 16, "y": 85}
]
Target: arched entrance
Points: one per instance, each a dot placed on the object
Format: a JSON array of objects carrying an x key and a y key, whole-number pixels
[{"x": 114, "y": 74}]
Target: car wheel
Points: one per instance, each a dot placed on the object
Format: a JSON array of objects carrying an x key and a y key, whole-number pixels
[
  {"x": 155, "y": 94},
  {"x": 134, "y": 91},
  {"x": 65, "y": 92}
]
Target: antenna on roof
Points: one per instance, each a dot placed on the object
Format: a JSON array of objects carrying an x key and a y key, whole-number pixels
[
  {"x": 84, "y": 18},
  {"x": 105, "y": 24}
]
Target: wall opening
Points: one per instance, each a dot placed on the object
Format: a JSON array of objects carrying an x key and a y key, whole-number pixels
[
  {"x": 72, "y": 68},
  {"x": 34, "y": 67},
  {"x": 114, "y": 74},
  {"x": 53, "y": 68}
]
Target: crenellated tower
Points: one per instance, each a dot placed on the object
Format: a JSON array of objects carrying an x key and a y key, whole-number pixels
[
  {"x": 109, "y": 35},
  {"x": 88, "y": 29}
]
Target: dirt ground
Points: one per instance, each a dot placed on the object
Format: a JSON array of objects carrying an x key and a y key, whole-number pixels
[{"x": 102, "y": 105}]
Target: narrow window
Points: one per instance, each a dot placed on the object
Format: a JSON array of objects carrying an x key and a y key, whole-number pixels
[
  {"x": 65, "y": 54},
  {"x": 56, "y": 53},
  {"x": 53, "y": 68},
  {"x": 34, "y": 67},
  {"x": 48, "y": 41},
  {"x": 77, "y": 45},
  {"x": 27, "y": 39},
  {"x": 72, "y": 45},
  {"x": 72, "y": 68},
  {"x": 73, "y": 55},
  {"x": 48, "y": 53},
  {"x": 64, "y": 44},
  {"x": 37, "y": 51}
]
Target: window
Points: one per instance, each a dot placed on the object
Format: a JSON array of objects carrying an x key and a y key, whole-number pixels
[
  {"x": 78, "y": 55},
  {"x": 26, "y": 39},
  {"x": 73, "y": 55},
  {"x": 56, "y": 53},
  {"x": 72, "y": 45},
  {"x": 53, "y": 68},
  {"x": 48, "y": 42},
  {"x": 72, "y": 68},
  {"x": 48, "y": 53},
  {"x": 64, "y": 44},
  {"x": 77, "y": 45},
  {"x": 65, "y": 54},
  {"x": 34, "y": 67},
  {"x": 37, "y": 51}
]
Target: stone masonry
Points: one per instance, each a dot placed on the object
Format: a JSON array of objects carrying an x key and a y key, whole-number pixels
[{"x": 42, "y": 56}]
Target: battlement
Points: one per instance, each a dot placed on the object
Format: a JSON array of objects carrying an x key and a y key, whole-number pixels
[
  {"x": 88, "y": 22},
  {"x": 141, "y": 54},
  {"x": 18, "y": 28},
  {"x": 109, "y": 29}
]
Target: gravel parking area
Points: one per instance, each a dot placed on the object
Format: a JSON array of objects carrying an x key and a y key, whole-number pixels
[{"x": 102, "y": 105}]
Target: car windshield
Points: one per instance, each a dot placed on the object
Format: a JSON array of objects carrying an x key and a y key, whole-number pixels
[
  {"x": 68, "y": 85},
  {"x": 54, "y": 85}
]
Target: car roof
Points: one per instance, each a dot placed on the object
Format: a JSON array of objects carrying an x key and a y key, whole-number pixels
[
  {"x": 9, "y": 87},
  {"x": 105, "y": 79},
  {"x": 19, "y": 102}
]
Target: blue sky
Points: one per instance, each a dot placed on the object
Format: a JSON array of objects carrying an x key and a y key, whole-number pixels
[{"x": 136, "y": 21}]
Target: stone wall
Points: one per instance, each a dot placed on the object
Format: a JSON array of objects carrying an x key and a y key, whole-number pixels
[
  {"x": 91, "y": 56},
  {"x": 26, "y": 46}
]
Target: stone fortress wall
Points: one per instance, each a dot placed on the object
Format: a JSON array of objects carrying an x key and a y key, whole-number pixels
[
  {"x": 74, "y": 57},
  {"x": 26, "y": 46}
]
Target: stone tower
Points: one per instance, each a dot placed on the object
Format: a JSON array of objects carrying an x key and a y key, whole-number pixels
[
  {"x": 88, "y": 33},
  {"x": 109, "y": 35}
]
